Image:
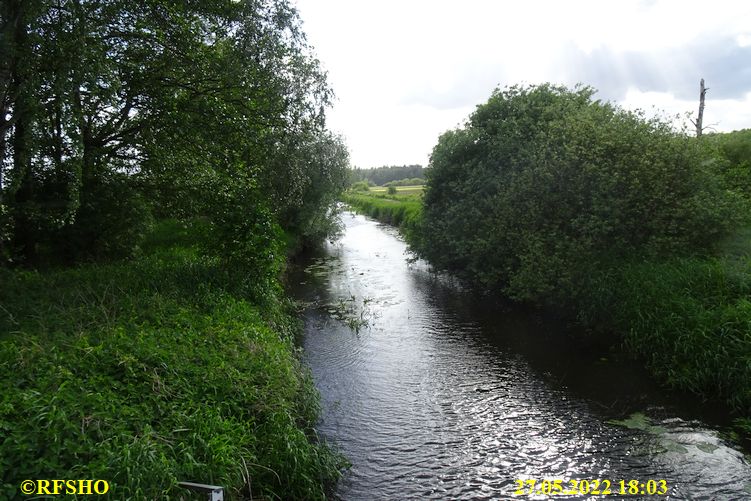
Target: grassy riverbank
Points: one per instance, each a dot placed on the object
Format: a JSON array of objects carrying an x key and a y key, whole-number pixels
[
  {"x": 153, "y": 371},
  {"x": 687, "y": 319},
  {"x": 402, "y": 209}
]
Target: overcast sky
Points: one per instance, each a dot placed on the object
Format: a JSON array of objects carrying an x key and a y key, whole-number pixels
[{"x": 404, "y": 71}]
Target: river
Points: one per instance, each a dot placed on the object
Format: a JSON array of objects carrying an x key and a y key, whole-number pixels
[{"x": 434, "y": 393}]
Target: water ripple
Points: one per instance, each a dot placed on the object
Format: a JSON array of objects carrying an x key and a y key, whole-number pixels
[{"x": 428, "y": 402}]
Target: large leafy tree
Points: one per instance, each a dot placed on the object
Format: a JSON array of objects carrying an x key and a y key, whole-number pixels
[{"x": 111, "y": 103}]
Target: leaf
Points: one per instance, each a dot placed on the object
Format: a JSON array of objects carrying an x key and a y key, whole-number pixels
[
  {"x": 707, "y": 447},
  {"x": 636, "y": 421}
]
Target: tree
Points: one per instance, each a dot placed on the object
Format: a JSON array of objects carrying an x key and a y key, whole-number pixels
[
  {"x": 700, "y": 117},
  {"x": 112, "y": 103},
  {"x": 546, "y": 187},
  {"x": 380, "y": 176}
]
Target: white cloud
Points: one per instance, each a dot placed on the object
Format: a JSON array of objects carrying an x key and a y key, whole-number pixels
[{"x": 406, "y": 70}]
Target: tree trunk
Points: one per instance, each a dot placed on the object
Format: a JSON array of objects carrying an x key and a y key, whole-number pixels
[
  {"x": 700, "y": 118},
  {"x": 23, "y": 191},
  {"x": 8, "y": 20}
]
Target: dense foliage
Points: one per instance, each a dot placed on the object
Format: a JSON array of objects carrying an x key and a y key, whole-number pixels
[
  {"x": 115, "y": 110},
  {"x": 735, "y": 146},
  {"x": 732, "y": 158},
  {"x": 689, "y": 320},
  {"x": 177, "y": 364},
  {"x": 154, "y": 371},
  {"x": 545, "y": 187},
  {"x": 379, "y": 176}
]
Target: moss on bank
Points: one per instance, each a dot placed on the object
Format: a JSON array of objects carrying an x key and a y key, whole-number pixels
[{"x": 153, "y": 371}]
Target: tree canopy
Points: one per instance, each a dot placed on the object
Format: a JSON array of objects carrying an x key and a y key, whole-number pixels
[{"x": 114, "y": 111}]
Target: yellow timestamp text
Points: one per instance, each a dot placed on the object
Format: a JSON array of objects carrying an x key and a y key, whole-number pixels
[{"x": 595, "y": 487}]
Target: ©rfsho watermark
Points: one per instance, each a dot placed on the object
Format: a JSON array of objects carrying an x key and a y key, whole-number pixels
[{"x": 70, "y": 487}]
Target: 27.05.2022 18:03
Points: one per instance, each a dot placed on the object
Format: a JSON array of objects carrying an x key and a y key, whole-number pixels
[{"x": 595, "y": 487}]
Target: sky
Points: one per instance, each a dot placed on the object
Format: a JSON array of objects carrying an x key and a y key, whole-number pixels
[{"x": 405, "y": 71}]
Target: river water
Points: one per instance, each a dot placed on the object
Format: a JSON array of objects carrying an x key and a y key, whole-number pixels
[{"x": 432, "y": 393}]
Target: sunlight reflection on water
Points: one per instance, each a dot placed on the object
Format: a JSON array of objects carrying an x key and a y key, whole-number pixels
[{"x": 429, "y": 402}]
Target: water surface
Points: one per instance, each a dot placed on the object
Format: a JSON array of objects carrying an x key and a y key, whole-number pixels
[{"x": 434, "y": 394}]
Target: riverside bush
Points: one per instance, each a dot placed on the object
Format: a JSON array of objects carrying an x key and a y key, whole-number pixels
[
  {"x": 549, "y": 196},
  {"x": 545, "y": 187},
  {"x": 732, "y": 158}
]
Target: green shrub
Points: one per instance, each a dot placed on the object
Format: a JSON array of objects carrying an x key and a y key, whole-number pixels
[
  {"x": 545, "y": 187},
  {"x": 361, "y": 186},
  {"x": 731, "y": 158},
  {"x": 244, "y": 233}
]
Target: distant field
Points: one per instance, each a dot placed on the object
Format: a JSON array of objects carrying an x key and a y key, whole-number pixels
[{"x": 400, "y": 190}]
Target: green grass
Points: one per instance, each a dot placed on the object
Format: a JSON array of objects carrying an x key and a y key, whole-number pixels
[
  {"x": 153, "y": 371},
  {"x": 688, "y": 319}
]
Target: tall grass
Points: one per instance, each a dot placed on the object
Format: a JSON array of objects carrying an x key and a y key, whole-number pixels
[
  {"x": 154, "y": 371},
  {"x": 688, "y": 319}
]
